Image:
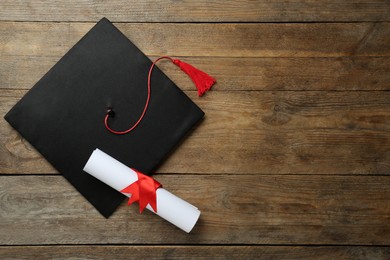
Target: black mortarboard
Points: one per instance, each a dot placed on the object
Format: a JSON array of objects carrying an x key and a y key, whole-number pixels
[{"x": 62, "y": 116}]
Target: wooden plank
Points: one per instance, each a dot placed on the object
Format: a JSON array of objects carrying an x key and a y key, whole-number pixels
[
  {"x": 236, "y": 209},
  {"x": 342, "y": 73},
  {"x": 197, "y": 11},
  {"x": 216, "y": 40},
  {"x": 283, "y": 132},
  {"x": 194, "y": 252}
]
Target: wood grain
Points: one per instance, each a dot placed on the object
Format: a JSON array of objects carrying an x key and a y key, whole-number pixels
[
  {"x": 292, "y": 160},
  {"x": 282, "y": 132},
  {"x": 196, "y": 11},
  {"x": 236, "y": 209},
  {"x": 341, "y": 73},
  {"x": 193, "y": 252},
  {"x": 216, "y": 40}
]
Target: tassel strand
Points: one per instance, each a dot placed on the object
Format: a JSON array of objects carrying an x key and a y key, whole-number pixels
[{"x": 202, "y": 81}]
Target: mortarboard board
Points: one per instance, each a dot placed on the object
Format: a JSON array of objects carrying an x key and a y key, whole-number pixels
[{"x": 62, "y": 115}]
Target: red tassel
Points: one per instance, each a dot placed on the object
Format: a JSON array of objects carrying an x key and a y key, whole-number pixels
[{"x": 202, "y": 80}]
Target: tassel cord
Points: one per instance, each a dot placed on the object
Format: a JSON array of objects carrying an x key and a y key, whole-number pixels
[{"x": 203, "y": 82}]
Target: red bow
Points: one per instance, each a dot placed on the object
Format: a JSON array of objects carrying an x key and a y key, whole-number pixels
[{"x": 143, "y": 191}]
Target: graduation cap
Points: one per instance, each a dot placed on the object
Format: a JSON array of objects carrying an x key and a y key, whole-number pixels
[{"x": 105, "y": 93}]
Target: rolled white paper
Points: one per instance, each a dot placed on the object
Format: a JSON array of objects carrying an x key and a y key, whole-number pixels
[{"x": 117, "y": 175}]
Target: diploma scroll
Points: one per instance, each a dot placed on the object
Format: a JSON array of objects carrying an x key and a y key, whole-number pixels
[{"x": 117, "y": 175}]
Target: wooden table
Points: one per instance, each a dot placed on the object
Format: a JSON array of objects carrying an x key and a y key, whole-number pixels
[{"x": 292, "y": 160}]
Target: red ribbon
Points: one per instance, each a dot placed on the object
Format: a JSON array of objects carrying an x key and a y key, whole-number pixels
[{"x": 143, "y": 191}]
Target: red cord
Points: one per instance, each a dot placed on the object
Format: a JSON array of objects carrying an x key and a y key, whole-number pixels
[
  {"x": 202, "y": 81},
  {"x": 146, "y": 104}
]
